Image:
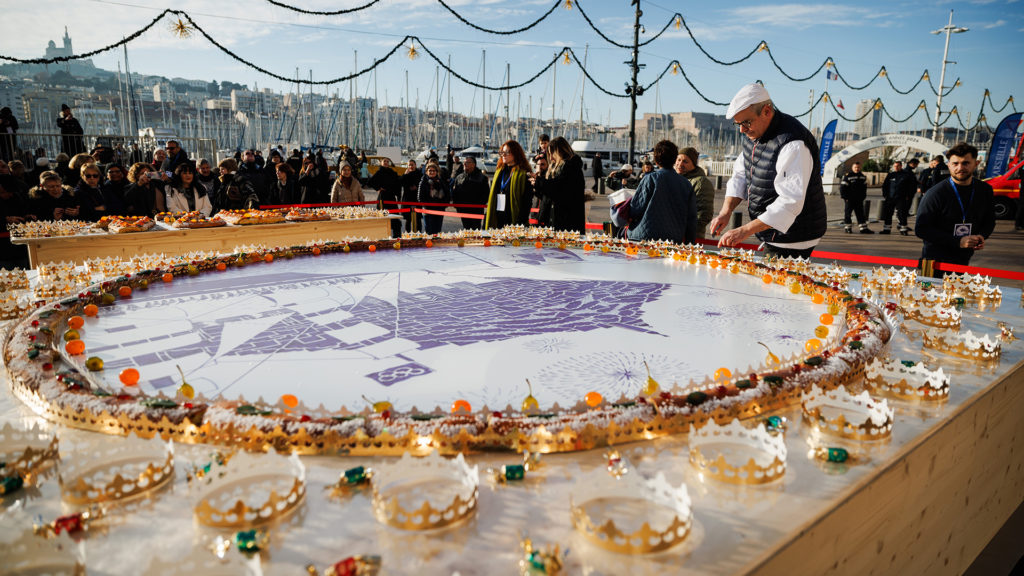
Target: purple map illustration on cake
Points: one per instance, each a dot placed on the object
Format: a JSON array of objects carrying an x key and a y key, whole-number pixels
[{"x": 421, "y": 328}]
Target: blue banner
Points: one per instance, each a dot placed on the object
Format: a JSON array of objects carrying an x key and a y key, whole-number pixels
[
  {"x": 827, "y": 137},
  {"x": 1002, "y": 144}
]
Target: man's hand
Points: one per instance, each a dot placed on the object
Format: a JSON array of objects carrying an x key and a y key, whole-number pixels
[
  {"x": 738, "y": 235},
  {"x": 974, "y": 242},
  {"x": 718, "y": 223}
]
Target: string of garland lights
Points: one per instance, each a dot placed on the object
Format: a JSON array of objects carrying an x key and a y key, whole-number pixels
[
  {"x": 185, "y": 26},
  {"x": 322, "y": 12},
  {"x": 544, "y": 17}
]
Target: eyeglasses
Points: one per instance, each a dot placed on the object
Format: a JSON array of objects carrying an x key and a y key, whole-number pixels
[
  {"x": 745, "y": 125},
  {"x": 91, "y": 176},
  {"x": 171, "y": 148},
  {"x": 505, "y": 153}
]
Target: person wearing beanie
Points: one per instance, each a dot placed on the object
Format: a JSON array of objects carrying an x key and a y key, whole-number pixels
[
  {"x": 778, "y": 174},
  {"x": 703, "y": 189},
  {"x": 70, "y": 132}
]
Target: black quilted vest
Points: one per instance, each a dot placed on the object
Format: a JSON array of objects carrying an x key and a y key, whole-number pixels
[{"x": 760, "y": 157}]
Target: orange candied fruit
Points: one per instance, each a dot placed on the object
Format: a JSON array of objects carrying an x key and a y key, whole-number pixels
[
  {"x": 129, "y": 377},
  {"x": 767, "y": 278},
  {"x": 167, "y": 277},
  {"x": 91, "y": 310},
  {"x": 268, "y": 258},
  {"x": 75, "y": 347},
  {"x": 221, "y": 266},
  {"x": 76, "y": 322},
  {"x": 372, "y": 247},
  {"x": 826, "y": 318},
  {"x": 538, "y": 244},
  {"x": 429, "y": 244},
  {"x": 124, "y": 291},
  {"x": 290, "y": 400},
  {"x": 461, "y": 405},
  {"x": 817, "y": 298},
  {"x": 316, "y": 250}
]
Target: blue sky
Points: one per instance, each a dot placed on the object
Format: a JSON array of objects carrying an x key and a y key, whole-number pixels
[{"x": 859, "y": 36}]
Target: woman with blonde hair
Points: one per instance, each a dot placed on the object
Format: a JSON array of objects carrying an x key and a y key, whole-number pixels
[
  {"x": 143, "y": 197},
  {"x": 74, "y": 174},
  {"x": 564, "y": 187},
  {"x": 510, "y": 198}
]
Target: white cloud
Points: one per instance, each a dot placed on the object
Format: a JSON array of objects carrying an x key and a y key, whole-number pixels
[
  {"x": 803, "y": 16},
  {"x": 996, "y": 24}
]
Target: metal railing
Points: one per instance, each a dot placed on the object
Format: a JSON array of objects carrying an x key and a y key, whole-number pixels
[{"x": 51, "y": 142}]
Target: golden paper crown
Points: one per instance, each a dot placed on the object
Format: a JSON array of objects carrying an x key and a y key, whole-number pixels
[
  {"x": 839, "y": 413},
  {"x": 16, "y": 279},
  {"x": 402, "y": 477},
  {"x": 914, "y": 382},
  {"x": 927, "y": 297},
  {"x": 249, "y": 490},
  {"x": 710, "y": 444},
  {"x": 598, "y": 486},
  {"x": 937, "y": 315},
  {"x": 116, "y": 471},
  {"x": 889, "y": 280},
  {"x": 832, "y": 274},
  {"x": 963, "y": 344},
  {"x": 25, "y": 452},
  {"x": 971, "y": 286}
]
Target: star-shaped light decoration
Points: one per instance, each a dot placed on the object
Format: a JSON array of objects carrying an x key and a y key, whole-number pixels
[{"x": 181, "y": 29}]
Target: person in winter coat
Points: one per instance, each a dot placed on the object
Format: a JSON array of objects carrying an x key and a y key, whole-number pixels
[
  {"x": 346, "y": 188},
  {"x": 286, "y": 189},
  {"x": 184, "y": 194},
  {"x": 388, "y": 185},
  {"x": 686, "y": 164},
  {"x": 176, "y": 156},
  {"x": 471, "y": 187},
  {"x": 311, "y": 182},
  {"x": 8, "y": 131},
  {"x": 143, "y": 197},
  {"x": 14, "y": 209},
  {"x": 234, "y": 192},
  {"x": 433, "y": 189},
  {"x": 253, "y": 173},
  {"x": 537, "y": 181},
  {"x": 89, "y": 194},
  {"x": 71, "y": 132},
  {"x": 206, "y": 178},
  {"x": 113, "y": 189},
  {"x": 52, "y": 200},
  {"x": 664, "y": 206},
  {"x": 510, "y": 198},
  {"x": 410, "y": 191},
  {"x": 564, "y": 187},
  {"x": 853, "y": 189}
]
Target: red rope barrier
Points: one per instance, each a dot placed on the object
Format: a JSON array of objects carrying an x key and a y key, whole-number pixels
[
  {"x": 440, "y": 213},
  {"x": 978, "y": 270},
  {"x": 884, "y": 260}
]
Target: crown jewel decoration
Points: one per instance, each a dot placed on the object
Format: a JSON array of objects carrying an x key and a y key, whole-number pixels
[
  {"x": 249, "y": 490},
  {"x": 839, "y": 413},
  {"x": 719, "y": 451},
  {"x": 599, "y": 486},
  {"x": 396, "y": 482},
  {"x": 907, "y": 380}
]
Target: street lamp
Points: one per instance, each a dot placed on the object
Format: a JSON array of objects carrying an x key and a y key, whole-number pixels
[{"x": 948, "y": 29}]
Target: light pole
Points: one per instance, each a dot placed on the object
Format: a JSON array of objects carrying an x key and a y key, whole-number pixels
[{"x": 948, "y": 29}]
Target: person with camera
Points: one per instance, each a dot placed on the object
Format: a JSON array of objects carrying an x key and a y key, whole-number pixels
[
  {"x": 622, "y": 178},
  {"x": 144, "y": 195}
]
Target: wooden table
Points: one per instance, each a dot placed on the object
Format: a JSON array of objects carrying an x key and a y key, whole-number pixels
[{"x": 79, "y": 248}]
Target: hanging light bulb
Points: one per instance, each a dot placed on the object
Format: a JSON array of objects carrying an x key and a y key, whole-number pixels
[
  {"x": 957, "y": 83},
  {"x": 762, "y": 46},
  {"x": 413, "y": 53},
  {"x": 675, "y": 68},
  {"x": 825, "y": 97},
  {"x": 922, "y": 106},
  {"x": 829, "y": 63},
  {"x": 883, "y": 72},
  {"x": 986, "y": 92},
  {"x": 925, "y": 75},
  {"x": 878, "y": 104},
  {"x": 953, "y": 111},
  {"x": 568, "y": 4},
  {"x": 181, "y": 29},
  {"x": 679, "y": 21},
  {"x": 566, "y": 59}
]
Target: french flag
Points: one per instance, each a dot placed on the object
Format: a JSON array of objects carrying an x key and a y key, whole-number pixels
[{"x": 832, "y": 75}]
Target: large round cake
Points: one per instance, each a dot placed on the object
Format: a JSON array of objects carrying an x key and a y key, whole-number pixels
[{"x": 355, "y": 341}]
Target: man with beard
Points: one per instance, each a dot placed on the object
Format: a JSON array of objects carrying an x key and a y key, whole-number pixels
[{"x": 956, "y": 215}]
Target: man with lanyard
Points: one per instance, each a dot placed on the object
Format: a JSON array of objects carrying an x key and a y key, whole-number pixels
[
  {"x": 956, "y": 215},
  {"x": 778, "y": 174}
]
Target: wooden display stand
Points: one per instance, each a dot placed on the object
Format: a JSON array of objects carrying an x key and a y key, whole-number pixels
[
  {"x": 224, "y": 239},
  {"x": 931, "y": 509}
]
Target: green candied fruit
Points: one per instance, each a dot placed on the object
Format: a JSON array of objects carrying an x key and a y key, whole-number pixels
[
  {"x": 159, "y": 403},
  {"x": 250, "y": 410},
  {"x": 773, "y": 381},
  {"x": 743, "y": 384},
  {"x": 908, "y": 363},
  {"x": 696, "y": 398},
  {"x": 856, "y": 345},
  {"x": 814, "y": 361}
]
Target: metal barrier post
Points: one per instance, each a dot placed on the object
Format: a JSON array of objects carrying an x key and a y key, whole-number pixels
[
  {"x": 927, "y": 268},
  {"x": 415, "y": 222},
  {"x": 737, "y": 219},
  {"x": 867, "y": 210}
]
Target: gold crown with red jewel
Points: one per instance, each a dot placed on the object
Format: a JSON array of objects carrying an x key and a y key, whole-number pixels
[{"x": 736, "y": 454}]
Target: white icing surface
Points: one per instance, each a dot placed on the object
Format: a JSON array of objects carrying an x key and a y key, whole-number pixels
[{"x": 421, "y": 328}]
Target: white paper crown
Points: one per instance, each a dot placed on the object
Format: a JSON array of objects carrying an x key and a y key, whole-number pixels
[
  {"x": 598, "y": 485},
  {"x": 889, "y": 280},
  {"x": 971, "y": 286},
  {"x": 401, "y": 477},
  {"x": 938, "y": 315},
  {"x": 839, "y": 413},
  {"x": 116, "y": 471},
  {"x": 908, "y": 382},
  {"x": 832, "y": 274},
  {"x": 963, "y": 344},
  {"x": 249, "y": 490},
  {"x": 766, "y": 463}
]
